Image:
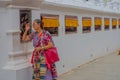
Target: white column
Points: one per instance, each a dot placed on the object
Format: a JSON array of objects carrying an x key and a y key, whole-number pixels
[
  {"x": 110, "y": 23},
  {"x": 62, "y": 25},
  {"x": 117, "y": 23},
  {"x": 92, "y": 27},
  {"x": 17, "y": 66},
  {"x": 18, "y": 57},
  {"x": 103, "y": 23},
  {"x": 80, "y": 24}
]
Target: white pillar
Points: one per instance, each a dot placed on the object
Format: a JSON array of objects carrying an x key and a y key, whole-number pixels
[
  {"x": 92, "y": 27},
  {"x": 117, "y": 27},
  {"x": 80, "y": 24},
  {"x": 17, "y": 66},
  {"x": 18, "y": 61},
  {"x": 62, "y": 25},
  {"x": 110, "y": 23},
  {"x": 102, "y": 28}
]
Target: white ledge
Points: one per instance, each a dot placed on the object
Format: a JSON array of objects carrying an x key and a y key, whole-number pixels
[
  {"x": 13, "y": 32},
  {"x": 19, "y": 54},
  {"x": 18, "y": 65},
  {"x": 18, "y": 60},
  {"x": 22, "y": 7}
]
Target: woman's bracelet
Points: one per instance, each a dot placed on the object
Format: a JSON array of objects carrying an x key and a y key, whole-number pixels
[{"x": 42, "y": 48}]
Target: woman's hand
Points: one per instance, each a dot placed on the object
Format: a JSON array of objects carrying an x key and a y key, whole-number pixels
[
  {"x": 27, "y": 27},
  {"x": 37, "y": 49}
]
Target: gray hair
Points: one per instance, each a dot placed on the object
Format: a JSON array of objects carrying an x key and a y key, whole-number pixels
[{"x": 38, "y": 21}]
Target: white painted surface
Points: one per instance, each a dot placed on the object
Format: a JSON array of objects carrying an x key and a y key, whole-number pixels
[
  {"x": 74, "y": 49},
  {"x": 97, "y": 5}
]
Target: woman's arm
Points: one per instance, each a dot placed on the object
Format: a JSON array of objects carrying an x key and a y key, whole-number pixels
[
  {"x": 50, "y": 42},
  {"x": 50, "y": 45},
  {"x": 25, "y": 37}
]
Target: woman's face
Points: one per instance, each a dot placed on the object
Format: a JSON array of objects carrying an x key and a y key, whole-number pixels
[{"x": 36, "y": 26}]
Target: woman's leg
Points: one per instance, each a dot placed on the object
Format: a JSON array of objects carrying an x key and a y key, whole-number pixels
[
  {"x": 36, "y": 69},
  {"x": 54, "y": 72},
  {"x": 48, "y": 75},
  {"x": 43, "y": 67},
  {"x": 39, "y": 68}
]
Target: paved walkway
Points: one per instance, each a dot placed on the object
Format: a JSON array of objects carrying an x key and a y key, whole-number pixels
[{"x": 104, "y": 68}]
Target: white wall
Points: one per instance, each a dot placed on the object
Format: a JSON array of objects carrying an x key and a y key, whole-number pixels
[
  {"x": 79, "y": 48},
  {"x": 74, "y": 49}
]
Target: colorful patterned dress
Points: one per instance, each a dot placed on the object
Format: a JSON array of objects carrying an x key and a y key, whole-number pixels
[{"x": 40, "y": 71}]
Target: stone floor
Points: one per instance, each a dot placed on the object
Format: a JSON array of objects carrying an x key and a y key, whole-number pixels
[{"x": 104, "y": 68}]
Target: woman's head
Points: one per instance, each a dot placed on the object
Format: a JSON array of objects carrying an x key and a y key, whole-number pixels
[{"x": 37, "y": 24}]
